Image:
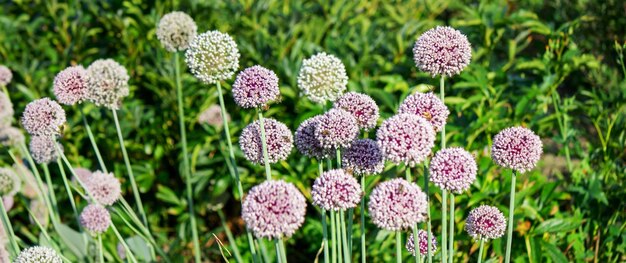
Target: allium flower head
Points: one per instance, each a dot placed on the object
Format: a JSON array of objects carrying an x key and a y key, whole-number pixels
[
  {"x": 38, "y": 254},
  {"x": 213, "y": 116},
  {"x": 274, "y": 209},
  {"x": 107, "y": 83},
  {"x": 277, "y": 135},
  {"x": 104, "y": 187},
  {"x": 255, "y": 87},
  {"x": 517, "y": 148},
  {"x": 5, "y": 75},
  {"x": 212, "y": 56},
  {"x": 426, "y": 105},
  {"x": 336, "y": 128},
  {"x": 175, "y": 30},
  {"x": 406, "y": 138},
  {"x": 322, "y": 77},
  {"x": 43, "y": 117},
  {"x": 84, "y": 175},
  {"x": 363, "y": 157},
  {"x": 6, "y": 110},
  {"x": 44, "y": 149},
  {"x": 361, "y": 106},
  {"x": 70, "y": 85},
  {"x": 306, "y": 143},
  {"x": 442, "y": 51},
  {"x": 11, "y": 137},
  {"x": 397, "y": 204},
  {"x": 9, "y": 182},
  {"x": 453, "y": 169},
  {"x": 95, "y": 218},
  {"x": 422, "y": 243},
  {"x": 336, "y": 190},
  {"x": 486, "y": 222}
]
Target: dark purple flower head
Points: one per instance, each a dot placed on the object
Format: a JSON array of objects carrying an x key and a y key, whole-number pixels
[
  {"x": 397, "y": 204},
  {"x": 43, "y": 149},
  {"x": 517, "y": 148},
  {"x": 361, "y": 106},
  {"x": 426, "y": 105},
  {"x": 422, "y": 243},
  {"x": 43, "y": 117},
  {"x": 406, "y": 138},
  {"x": 255, "y": 87},
  {"x": 70, "y": 85},
  {"x": 442, "y": 51},
  {"x": 336, "y": 129},
  {"x": 453, "y": 169},
  {"x": 104, "y": 187},
  {"x": 95, "y": 219},
  {"x": 363, "y": 157},
  {"x": 278, "y": 137},
  {"x": 5, "y": 75},
  {"x": 486, "y": 222},
  {"x": 336, "y": 190},
  {"x": 274, "y": 209},
  {"x": 306, "y": 143}
]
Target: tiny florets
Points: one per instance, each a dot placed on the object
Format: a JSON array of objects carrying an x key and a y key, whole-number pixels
[
  {"x": 428, "y": 106},
  {"x": 442, "y": 51},
  {"x": 95, "y": 219},
  {"x": 406, "y": 138},
  {"x": 453, "y": 169},
  {"x": 517, "y": 148},
  {"x": 6, "y": 110},
  {"x": 397, "y": 204},
  {"x": 175, "y": 30},
  {"x": 422, "y": 243},
  {"x": 336, "y": 190},
  {"x": 44, "y": 149},
  {"x": 38, "y": 254},
  {"x": 43, "y": 117},
  {"x": 335, "y": 129},
  {"x": 5, "y": 75},
  {"x": 255, "y": 87},
  {"x": 306, "y": 143},
  {"x": 104, "y": 187},
  {"x": 274, "y": 209},
  {"x": 213, "y": 116},
  {"x": 212, "y": 57},
  {"x": 11, "y": 137},
  {"x": 278, "y": 138},
  {"x": 107, "y": 83},
  {"x": 361, "y": 106},
  {"x": 486, "y": 222},
  {"x": 322, "y": 77},
  {"x": 363, "y": 157},
  {"x": 70, "y": 85},
  {"x": 9, "y": 182}
]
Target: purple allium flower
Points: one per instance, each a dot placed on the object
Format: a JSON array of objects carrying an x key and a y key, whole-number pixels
[
  {"x": 84, "y": 175},
  {"x": 255, "y": 87},
  {"x": 322, "y": 77},
  {"x": 38, "y": 254},
  {"x": 397, "y": 204},
  {"x": 104, "y": 187},
  {"x": 361, "y": 106},
  {"x": 337, "y": 128},
  {"x": 453, "y": 169},
  {"x": 213, "y": 116},
  {"x": 306, "y": 143},
  {"x": 9, "y": 182},
  {"x": 107, "y": 83},
  {"x": 43, "y": 117},
  {"x": 212, "y": 57},
  {"x": 175, "y": 30},
  {"x": 95, "y": 218},
  {"x": 442, "y": 51},
  {"x": 5, "y": 75},
  {"x": 517, "y": 148},
  {"x": 422, "y": 243},
  {"x": 70, "y": 85},
  {"x": 336, "y": 190},
  {"x": 486, "y": 222},
  {"x": 6, "y": 110},
  {"x": 274, "y": 209},
  {"x": 426, "y": 105},
  {"x": 278, "y": 137},
  {"x": 43, "y": 149},
  {"x": 11, "y": 137},
  {"x": 406, "y": 138},
  {"x": 363, "y": 157}
]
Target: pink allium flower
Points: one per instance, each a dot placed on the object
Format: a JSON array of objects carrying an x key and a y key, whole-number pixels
[
  {"x": 95, "y": 219},
  {"x": 5, "y": 75},
  {"x": 406, "y": 138},
  {"x": 70, "y": 85},
  {"x": 278, "y": 137},
  {"x": 104, "y": 187},
  {"x": 175, "y": 30},
  {"x": 43, "y": 149},
  {"x": 6, "y": 110},
  {"x": 397, "y": 204},
  {"x": 43, "y": 117},
  {"x": 442, "y": 51},
  {"x": 426, "y": 105},
  {"x": 336, "y": 190},
  {"x": 306, "y": 143},
  {"x": 38, "y": 254},
  {"x": 11, "y": 137},
  {"x": 322, "y": 77},
  {"x": 274, "y": 209},
  {"x": 422, "y": 243},
  {"x": 107, "y": 83},
  {"x": 453, "y": 169},
  {"x": 255, "y": 87},
  {"x": 517, "y": 148},
  {"x": 363, "y": 157},
  {"x": 361, "y": 106},
  {"x": 213, "y": 116},
  {"x": 486, "y": 222},
  {"x": 336, "y": 129}
]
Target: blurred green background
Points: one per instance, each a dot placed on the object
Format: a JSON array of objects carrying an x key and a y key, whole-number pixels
[{"x": 555, "y": 67}]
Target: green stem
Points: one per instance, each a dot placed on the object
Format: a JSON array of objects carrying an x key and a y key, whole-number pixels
[
  {"x": 416, "y": 245},
  {"x": 339, "y": 158},
  {"x": 442, "y": 97},
  {"x": 67, "y": 188},
  {"x": 51, "y": 194},
  {"x": 338, "y": 232},
  {"x": 510, "y": 224},
  {"x": 333, "y": 236},
  {"x": 268, "y": 170},
  {"x": 428, "y": 226},
  {"x": 344, "y": 238},
  {"x": 283, "y": 250},
  {"x": 349, "y": 230},
  {"x": 93, "y": 142},
  {"x": 444, "y": 210},
  {"x": 279, "y": 257},
  {"x": 100, "y": 250},
  {"x": 263, "y": 249},
  {"x": 363, "y": 250},
  {"x": 129, "y": 253},
  {"x": 480, "y": 251},
  {"x": 399, "y": 247},
  {"x": 451, "y": 230},
  {"x": 9, "y": 229},
  {"x": 325, "y": 233}
]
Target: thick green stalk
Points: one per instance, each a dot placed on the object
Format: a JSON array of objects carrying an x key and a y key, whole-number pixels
[
  {"x": 51, "y": 194},
  {"x": 416, "y": 245},
  {"x": 480, "y": 251},
  {"x": 399, "y": 247},
  {"x": 333, "y": 236},
  {"x": 320, "y": 167},
  {"x": 428, "y": 226},
  {"x": 509, "y": 236},
  {"x": 444, "y": 210},
  {"x": 451, "y": 230},
  {"x": 344, "y": 238},
  {"x": 268, "y": 170},
  {"x": 264, "y": 253},
  {"x": 338, "y": 158},
  {"x": 279, "y": 257},
  {"x": 283, "y": 250},
  {"x": 93, "y": 142},
  {"x": 6, "y": 222},
  {"x": 100, "y": 250},
  {"x": 363, "y": 250},
  {"x": 338, "y": 236},
  {"x": 350, "y": 215}
]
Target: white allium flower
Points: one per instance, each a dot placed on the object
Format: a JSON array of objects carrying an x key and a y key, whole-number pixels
[
  {"x": 322, "y": 77},
  {"x": 176, "y": 30},
  {"x": 212, "y": 57}
]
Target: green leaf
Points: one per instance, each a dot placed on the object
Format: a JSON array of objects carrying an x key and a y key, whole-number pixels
[
  {"x": 73, "y": 240},
  {"x": 554, "y": 252},
  {"x": 139, "y": 247},
  {"x": 556, "y": 225}
]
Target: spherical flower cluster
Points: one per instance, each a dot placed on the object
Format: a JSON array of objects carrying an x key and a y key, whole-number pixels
[
  {"x": 442, "y": 51},
  {"x": 9, "y": 182},
  {"x": 363, "y": 157},
  {"x": 277, "y": 136},
  {"x": 422, "y": 243},
  {"x": 95, "y": 219},
  {"x": 517, "y": 148},
  {"x": 306, "y": 143},
  {"x": 213, "y": 116},
  {"x": 486, "y": 222},
  {"x": 44, "y": 149},
  {"x": 70, "y": 85},
  {"x": 406, "y": 138},
  {"x": 38, "y": 254},
  {"x": 453, "y": 169},
  {"x": 6, "y": 110},
  {"x": 426, "y": 105},
  {"x": 11, "y": 137},
  {"x": 43, "y": 117},
  {"x": 83, "y": 175},
  {"x": 175, "y": 30},
  {"x": 361, "y": 106},
  {"x": 107, "y": 83},
  {"x": 104, "y": 187},
  {"x": 322, "y": 77},
  {"x": 336, "y": 190},
  {"x": 5, "y": 75},
  {"x": 336, "y": 129},
  {"x": 212, "y": 57},
  {"x": 274, "y": 209},
  {"x": 397, "y": 204},
  {"x": 255, "y": 87}
]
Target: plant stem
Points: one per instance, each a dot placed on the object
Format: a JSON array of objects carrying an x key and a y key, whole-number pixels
[
  {"x": 349, "y": 217},
  {"x": 51, "y": 194},
  {"x": 416, "y": 245},
  {"x": 129, "y": 253},
  {"x": 93, "y": 142},
  {"x": 100, "y": 251},
  {"x": 510, "y": 224},
  {"x": 344, "y": 239},
  {"x": 428, "y": 226},
  {"x": 338, "y": 158},
  {"x": 279, "y": 257},
  {"x": 263, "y": 249},
  {"x": 480, "y": 251},
  {"x": 333, "y": 233},
  {"x": 325, "y": 233},
  {"x": 363, "y": 250},
  {"x": 283, "y": 250},
  {"x": 67, "y": 188},
  {"x": 444, "y": 245},
  {"x": 6, "y": 222},
  {"x": 399, "y": 247},
  {"x": 451, "y": 230},
  {"x": 40, "y": 185},
  {"x": 268, "y": 170}
]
